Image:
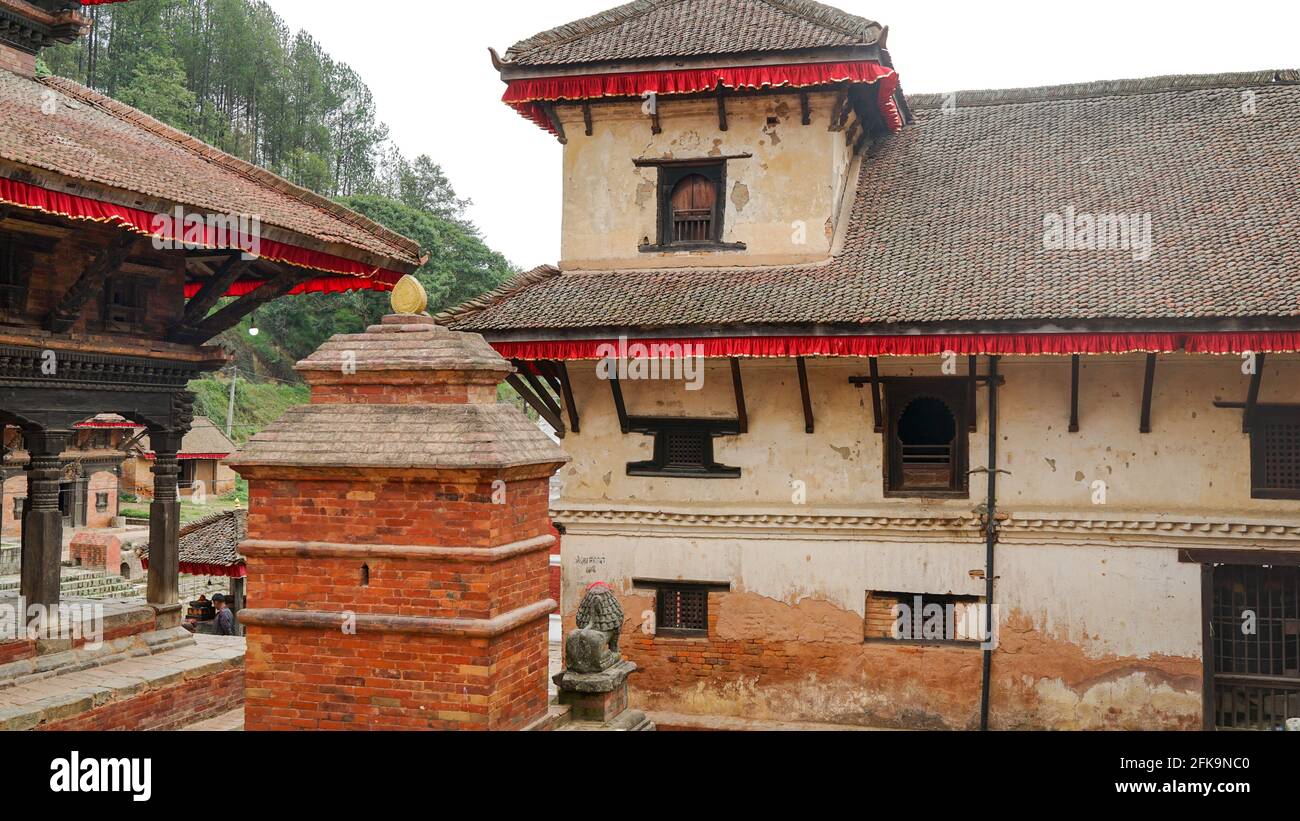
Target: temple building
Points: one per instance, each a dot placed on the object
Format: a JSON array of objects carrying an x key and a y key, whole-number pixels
[
  {"x": 943, "y": 410},
  {"x": 118, "y": 238}
]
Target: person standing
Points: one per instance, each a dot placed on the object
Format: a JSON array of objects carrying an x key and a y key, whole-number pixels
[{"x": 225, "y": 616}]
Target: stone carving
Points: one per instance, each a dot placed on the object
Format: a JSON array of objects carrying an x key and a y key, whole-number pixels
[{"x": 593, "y": 647}]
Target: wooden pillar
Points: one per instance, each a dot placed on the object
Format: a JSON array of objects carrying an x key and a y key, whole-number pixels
[
  {"x": 42, "y": 539},
  {"x": 164, "y": 529}
]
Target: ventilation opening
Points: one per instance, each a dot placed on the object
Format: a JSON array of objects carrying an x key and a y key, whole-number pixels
[
  {"x": 365, "y": 575},
  {"x": 927, "y": 437}
]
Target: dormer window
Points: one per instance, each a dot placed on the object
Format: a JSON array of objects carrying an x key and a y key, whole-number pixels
[{"x": 692, "y": 203}]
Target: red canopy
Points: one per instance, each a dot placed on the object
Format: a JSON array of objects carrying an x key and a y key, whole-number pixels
[
  {"x": 342, "y": 274},
  {"x": 526, "y": 96},
  {"x": 914, "y": 345}
]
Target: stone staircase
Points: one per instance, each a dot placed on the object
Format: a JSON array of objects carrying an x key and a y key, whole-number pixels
[{"x": 80, "y": 583}]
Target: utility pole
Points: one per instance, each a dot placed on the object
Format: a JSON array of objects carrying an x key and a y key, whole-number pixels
[{"x": 230, "y": 407}]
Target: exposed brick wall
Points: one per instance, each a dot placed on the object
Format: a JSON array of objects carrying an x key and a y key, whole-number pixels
[
  {"x": 301, "y": 678},
  {"x": 166, "y": 708},
  {"x": 96, "y": 551},
  {"x": 19, "y": 62},
  {"x": 103, "y": 481},
  {"x": 766, "y": 660},
  {"x": 398, "y": 595}
]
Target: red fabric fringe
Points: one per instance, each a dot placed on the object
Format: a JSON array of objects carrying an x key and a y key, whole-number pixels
[
  {"x": 930, "y": 345},
  {"x": 524, "y": 95},
  {"x": 358, "y": 275},
  {"x": 238, "y": 571}
]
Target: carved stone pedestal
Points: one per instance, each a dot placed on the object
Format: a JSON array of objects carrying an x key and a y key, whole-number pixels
[{"x": 595, "y": 696}]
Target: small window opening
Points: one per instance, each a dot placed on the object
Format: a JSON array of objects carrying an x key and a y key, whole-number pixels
[{"x": 365, "y": 575}]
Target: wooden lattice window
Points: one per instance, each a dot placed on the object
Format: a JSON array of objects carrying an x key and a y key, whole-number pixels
[
  {"x": 124, "y": 304},
  {"x": 926, "y": 438},
  {"x": 1275, "y": 453},
  {"x": 683, "y": 447},
  {"x": 18, "y": 506},
  {"x": 13, "y": 280},
  {"x": 1255, "y": 638},
  {"x": 101, "y": 502}
]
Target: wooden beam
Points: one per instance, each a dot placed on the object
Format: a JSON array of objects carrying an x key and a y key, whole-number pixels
[
  {"x": 1074, "y": 394},
  {"x": 722, "y": 108},
  {"x": 654, "y": 121},
  {"x": 91, "y": 282},
  {"x": 1235, "y": 555},
  {"x": 567, "y": 388},
  {"x": 877, "y": 414},
  {"x": 807, "y": 398},
  {"x": 586, "y": 118},
  {"x": 213, "y": 289},
  {"x": 805, "y": 108},
  {"x": 543, "y": 410},
  {"x": 972, "y": 382},
  {"x": 553, "y": 116},
  {"x": 741, "y": 413},
  {"x": 229, "y": 316},
  {"x": 1148, "y": 384},
  {"x": 619, "y": 406},
  {"x": 544, "y": 396},
  {"x": 1252, "y": 398},
  {"x": 840, "y": 113}
]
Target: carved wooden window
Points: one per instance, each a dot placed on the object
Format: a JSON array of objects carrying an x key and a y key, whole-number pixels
[
  {"x": 683, "y": 448},
  {"x": 692, "y": 203},
  {"x": 1275, "y": 453},
  {"x": 124, "y": 304},
  {"x": 18, "y": 506},
  {"x": 925, "y": 618},
  {"x": 13, "y": 280},
  {"x": 101, "y": 502},
  {"x": 926, "y": 438}
]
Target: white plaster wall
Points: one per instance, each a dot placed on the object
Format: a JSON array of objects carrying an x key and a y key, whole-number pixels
[{"x": 795, "y": 173}]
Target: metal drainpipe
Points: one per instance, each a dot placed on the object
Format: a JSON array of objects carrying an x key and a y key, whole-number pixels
[{"x": 991, "y": 539}]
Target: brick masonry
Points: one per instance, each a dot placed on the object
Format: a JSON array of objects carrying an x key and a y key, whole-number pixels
[
  {"x": 167, "y": 708},
  {"x": 398, "y": 587}
]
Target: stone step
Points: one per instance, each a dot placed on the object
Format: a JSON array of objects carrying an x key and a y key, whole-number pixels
[
  {"x": 174, "y": 688},
  {"x": 226, "y": 722}
]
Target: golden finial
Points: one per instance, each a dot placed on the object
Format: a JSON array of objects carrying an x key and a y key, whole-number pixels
[{"x": 408, "y": 296}]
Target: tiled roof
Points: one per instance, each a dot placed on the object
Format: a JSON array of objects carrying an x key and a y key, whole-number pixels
[
  {"x": 648, "y": 29},
  {"x": 948, "y": 221},
  {"x": 212, "y": 540},
  {"x": 206, "y": 438},
  {"x": 97, "y": 139}
]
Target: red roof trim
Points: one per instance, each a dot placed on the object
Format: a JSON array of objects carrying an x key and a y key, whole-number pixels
[
  {"x": 150, "y": 455},
  {"x": 525, "y": 96},
  {"x": 72, "y": 206},
  {"x": 918, "y": 345},
  {"x": 237, "y": 571}
]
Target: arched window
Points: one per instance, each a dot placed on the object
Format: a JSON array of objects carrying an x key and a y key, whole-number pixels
[
  {"x": 927, "y": 434},
  {"x": 926, "y": 438},
  {"x": 691, "y": 207}
]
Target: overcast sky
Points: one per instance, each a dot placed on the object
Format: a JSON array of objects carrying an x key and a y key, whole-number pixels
[{"x": 427, "y": 63}]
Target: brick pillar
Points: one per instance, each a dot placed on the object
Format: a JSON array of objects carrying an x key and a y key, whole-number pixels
[{"x": 398, "y": 542}]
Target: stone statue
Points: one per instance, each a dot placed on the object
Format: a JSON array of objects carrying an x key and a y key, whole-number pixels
[{"x": 593, "y": 647}]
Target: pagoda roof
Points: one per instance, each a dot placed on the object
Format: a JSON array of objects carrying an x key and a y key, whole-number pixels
[
  {"x": 946, "y": 230},
  {"x": 657, "y": 29},
  {"x": 100, "y": 159}
]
